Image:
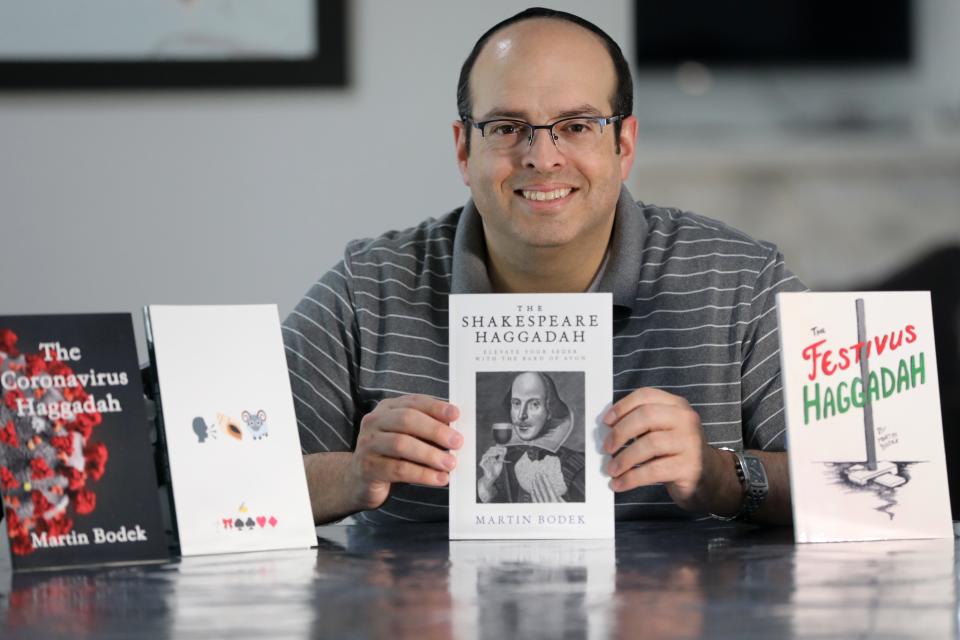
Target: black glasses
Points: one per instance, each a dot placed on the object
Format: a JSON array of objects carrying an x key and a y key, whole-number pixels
[{"x": 570, "y": 135}]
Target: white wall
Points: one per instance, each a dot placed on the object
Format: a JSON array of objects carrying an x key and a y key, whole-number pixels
[{"x": 109, "y": 201}]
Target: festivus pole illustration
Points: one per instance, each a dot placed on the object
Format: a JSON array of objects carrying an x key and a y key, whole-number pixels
[
  {"x": 885, "y": 473},
  {"x": 865, "y": 379}
]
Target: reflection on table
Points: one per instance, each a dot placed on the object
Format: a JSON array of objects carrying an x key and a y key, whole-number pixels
[{"x": 657, "y": 580}]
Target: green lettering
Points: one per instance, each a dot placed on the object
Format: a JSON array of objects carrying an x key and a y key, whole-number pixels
[
  {"x": 873, "y": 388},
  {"x": 856, "y": 393},
  {"x": 888, "y": 382},
  {"x": 843, "y": 398},
  {"x": 918, "y": 370},
  {"x": 811, "y": 403},
  {"x": 903, "y": 377},
  {"x": 829, "y": 403}
]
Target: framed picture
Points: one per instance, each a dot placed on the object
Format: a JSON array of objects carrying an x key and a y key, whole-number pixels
[{"x": 200, "y": 44}]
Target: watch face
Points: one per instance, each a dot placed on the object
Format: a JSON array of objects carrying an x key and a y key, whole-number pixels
[{"x": 756, "y": 470}]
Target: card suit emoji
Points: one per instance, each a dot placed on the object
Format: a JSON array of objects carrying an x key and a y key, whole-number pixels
[
  {"x": 238, "y": 523},
  {"x": 272, "y": 521},
  {"x": 262, "y": 521},
  {"x": 250, "y": 522}
]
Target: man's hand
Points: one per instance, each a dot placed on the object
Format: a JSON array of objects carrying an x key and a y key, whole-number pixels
[
  {"x": 491, "y": 463},
  {"x": 404, "y": 439},
  {"x": 668, "y": 447}
]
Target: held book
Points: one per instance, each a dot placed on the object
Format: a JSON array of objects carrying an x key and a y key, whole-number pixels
[
  {"x": 864, "y": 433},
  {"x": 532, "y": 375},
  {"x": 229, "y": 429},
  {"x": 76, "y": 463}
]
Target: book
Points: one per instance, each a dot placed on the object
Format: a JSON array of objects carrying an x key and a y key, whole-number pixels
[
  {"x": 864, "y": 432},
  {"x": 77, "y": 466},
  {"x": 532, "y": 375},
  {"x": 228, "y": 428}
]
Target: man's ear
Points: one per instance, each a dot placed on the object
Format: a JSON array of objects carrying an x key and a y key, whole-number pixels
[
  {"x": 628, "y": 145},
  {"x": 460, "y": 134}
]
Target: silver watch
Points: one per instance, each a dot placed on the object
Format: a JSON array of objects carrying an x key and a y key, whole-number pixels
[{"x": 753, "y": 479}]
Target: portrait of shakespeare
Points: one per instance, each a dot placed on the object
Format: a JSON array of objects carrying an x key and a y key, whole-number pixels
[{"x": 535, "y": 437}]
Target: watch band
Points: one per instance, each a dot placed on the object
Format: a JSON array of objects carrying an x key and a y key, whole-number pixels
[{"x": 753, "y": 479}]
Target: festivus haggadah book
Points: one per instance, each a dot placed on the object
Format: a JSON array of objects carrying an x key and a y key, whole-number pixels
[
  {"x": 532, "y": 375},
  {"x": 228, "y": 423},
  {"x": 76, "y": 465},
  {"x": 864, "y": 432}
]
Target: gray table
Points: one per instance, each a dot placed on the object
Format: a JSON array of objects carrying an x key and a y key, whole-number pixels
[{"x": 657, "y": 580}]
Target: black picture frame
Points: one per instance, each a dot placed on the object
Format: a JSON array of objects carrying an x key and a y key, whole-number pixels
[{"x": 327, "y": 67}]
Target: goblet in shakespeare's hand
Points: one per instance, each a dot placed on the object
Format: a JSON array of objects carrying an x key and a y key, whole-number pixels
[{"x": 502, "y": 432}]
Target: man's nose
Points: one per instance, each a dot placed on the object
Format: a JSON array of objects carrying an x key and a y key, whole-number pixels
[{"x": 542, "y": 153}]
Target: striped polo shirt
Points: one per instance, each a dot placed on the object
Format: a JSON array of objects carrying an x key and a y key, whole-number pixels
[{"x": 694, "y": 315}]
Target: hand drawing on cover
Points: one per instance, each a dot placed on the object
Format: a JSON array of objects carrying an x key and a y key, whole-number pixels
[
  {"x": 880, "y": 477},
  {"x": 530, "y": 437}
]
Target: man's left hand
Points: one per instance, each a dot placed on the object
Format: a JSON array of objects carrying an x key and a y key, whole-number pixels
[{"x": 667, "y": 445}]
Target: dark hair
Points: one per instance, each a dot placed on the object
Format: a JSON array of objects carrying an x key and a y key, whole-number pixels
[{"x": 622, "y": 98}]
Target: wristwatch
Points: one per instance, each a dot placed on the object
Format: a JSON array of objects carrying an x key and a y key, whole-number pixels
[{"x": 753, "y": 479}]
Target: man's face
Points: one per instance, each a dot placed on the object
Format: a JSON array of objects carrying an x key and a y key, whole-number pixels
[
  {"x": 528, "y": 406},
  {"x": 540, "y": 70}
]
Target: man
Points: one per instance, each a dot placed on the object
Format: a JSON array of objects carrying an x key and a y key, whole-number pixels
[
  {"x": 544, "y": 142},
  {"x": 540, "y": 467}
]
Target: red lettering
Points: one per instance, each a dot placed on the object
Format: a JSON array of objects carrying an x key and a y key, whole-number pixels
[
  {"x": 811, "y": 353},
  {"x": 911, "y": 334},
  {"x": 896, "y": 340},
  {"x": 844, "y": 359},
  {"x": 828, "y": 367},
  {"x": 880, "y": 343}
]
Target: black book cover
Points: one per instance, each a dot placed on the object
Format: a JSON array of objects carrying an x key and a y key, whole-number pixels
[{"x": 76, "y": 465}]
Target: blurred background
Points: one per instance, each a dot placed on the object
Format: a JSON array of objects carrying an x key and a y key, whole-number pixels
[{"x": 835, "y": 136}]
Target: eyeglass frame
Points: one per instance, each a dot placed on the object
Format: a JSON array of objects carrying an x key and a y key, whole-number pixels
[{"x": 601, "y": 120}]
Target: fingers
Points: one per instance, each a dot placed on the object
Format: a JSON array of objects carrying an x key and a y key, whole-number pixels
[
  {"x": 383, "y": 469},
  {"x": 407, "y": 439},
  {"x": 404, "y": 447},
  {"x": 645, "y": 395},
  {"x": 655, "y": 444},
  {"x": 496, "y": 452},
  {"x": 653, "y": 472},
  {"x": 422, "y": 417},
  {"x": 646, "y": 418}
]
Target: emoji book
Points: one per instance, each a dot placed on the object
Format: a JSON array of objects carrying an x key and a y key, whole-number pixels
[
  {"x": 228, "y": 428},
  {"x": 532, "y": 375},
  {"x": 76, "y": 463},
  {"x": 864, "y": 433}
]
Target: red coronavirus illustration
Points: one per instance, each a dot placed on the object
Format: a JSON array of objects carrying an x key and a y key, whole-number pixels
[{"x": 47, "y": 456}]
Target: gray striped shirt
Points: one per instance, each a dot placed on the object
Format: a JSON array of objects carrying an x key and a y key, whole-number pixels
[{"x": 694, "y": 315}]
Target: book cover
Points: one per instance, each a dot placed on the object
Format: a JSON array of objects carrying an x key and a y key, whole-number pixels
[
  {"x": 864, "y": 433},
  {"x": 229, "y": 429},
  {"x": 76, "y": 463},
  {"x": 532, "y": 375}
]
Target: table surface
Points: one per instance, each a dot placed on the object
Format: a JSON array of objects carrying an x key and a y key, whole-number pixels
[{"x": 656, "y": 580}]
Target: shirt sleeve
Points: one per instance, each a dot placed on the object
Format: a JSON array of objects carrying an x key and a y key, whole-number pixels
[
  {"x": 764, "y": 425},
  {"x": 322, "y": 344}
]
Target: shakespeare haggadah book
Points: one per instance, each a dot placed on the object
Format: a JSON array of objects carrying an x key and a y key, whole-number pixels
[
  {"x": 76, "y": 464},
  {"x": 864, "y": 433},
  {"x": 229, "y": 428},
  {"x": 532, "y": 375}
]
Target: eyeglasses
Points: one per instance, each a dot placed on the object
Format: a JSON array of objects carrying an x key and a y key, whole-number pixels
[{"x": 574, "y": 134}]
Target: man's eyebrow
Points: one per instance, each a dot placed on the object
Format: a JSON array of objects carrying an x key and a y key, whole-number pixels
[{"x": 499, "y": 112}]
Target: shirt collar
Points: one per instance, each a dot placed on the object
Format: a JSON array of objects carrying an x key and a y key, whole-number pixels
[{"x": 620, "y": 276}]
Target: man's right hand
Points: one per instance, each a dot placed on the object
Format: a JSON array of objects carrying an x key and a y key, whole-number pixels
[{"x": 404, "y": 439}]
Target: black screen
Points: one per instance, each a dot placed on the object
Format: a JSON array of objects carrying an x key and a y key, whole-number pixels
[{"x": 772, "y": 32}]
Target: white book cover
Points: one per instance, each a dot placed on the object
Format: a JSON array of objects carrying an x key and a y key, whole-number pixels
[
  {"x": 864, "y": 433},
  {"x": 236, "y": 471},
  {"x": 532, "y": 375}
]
